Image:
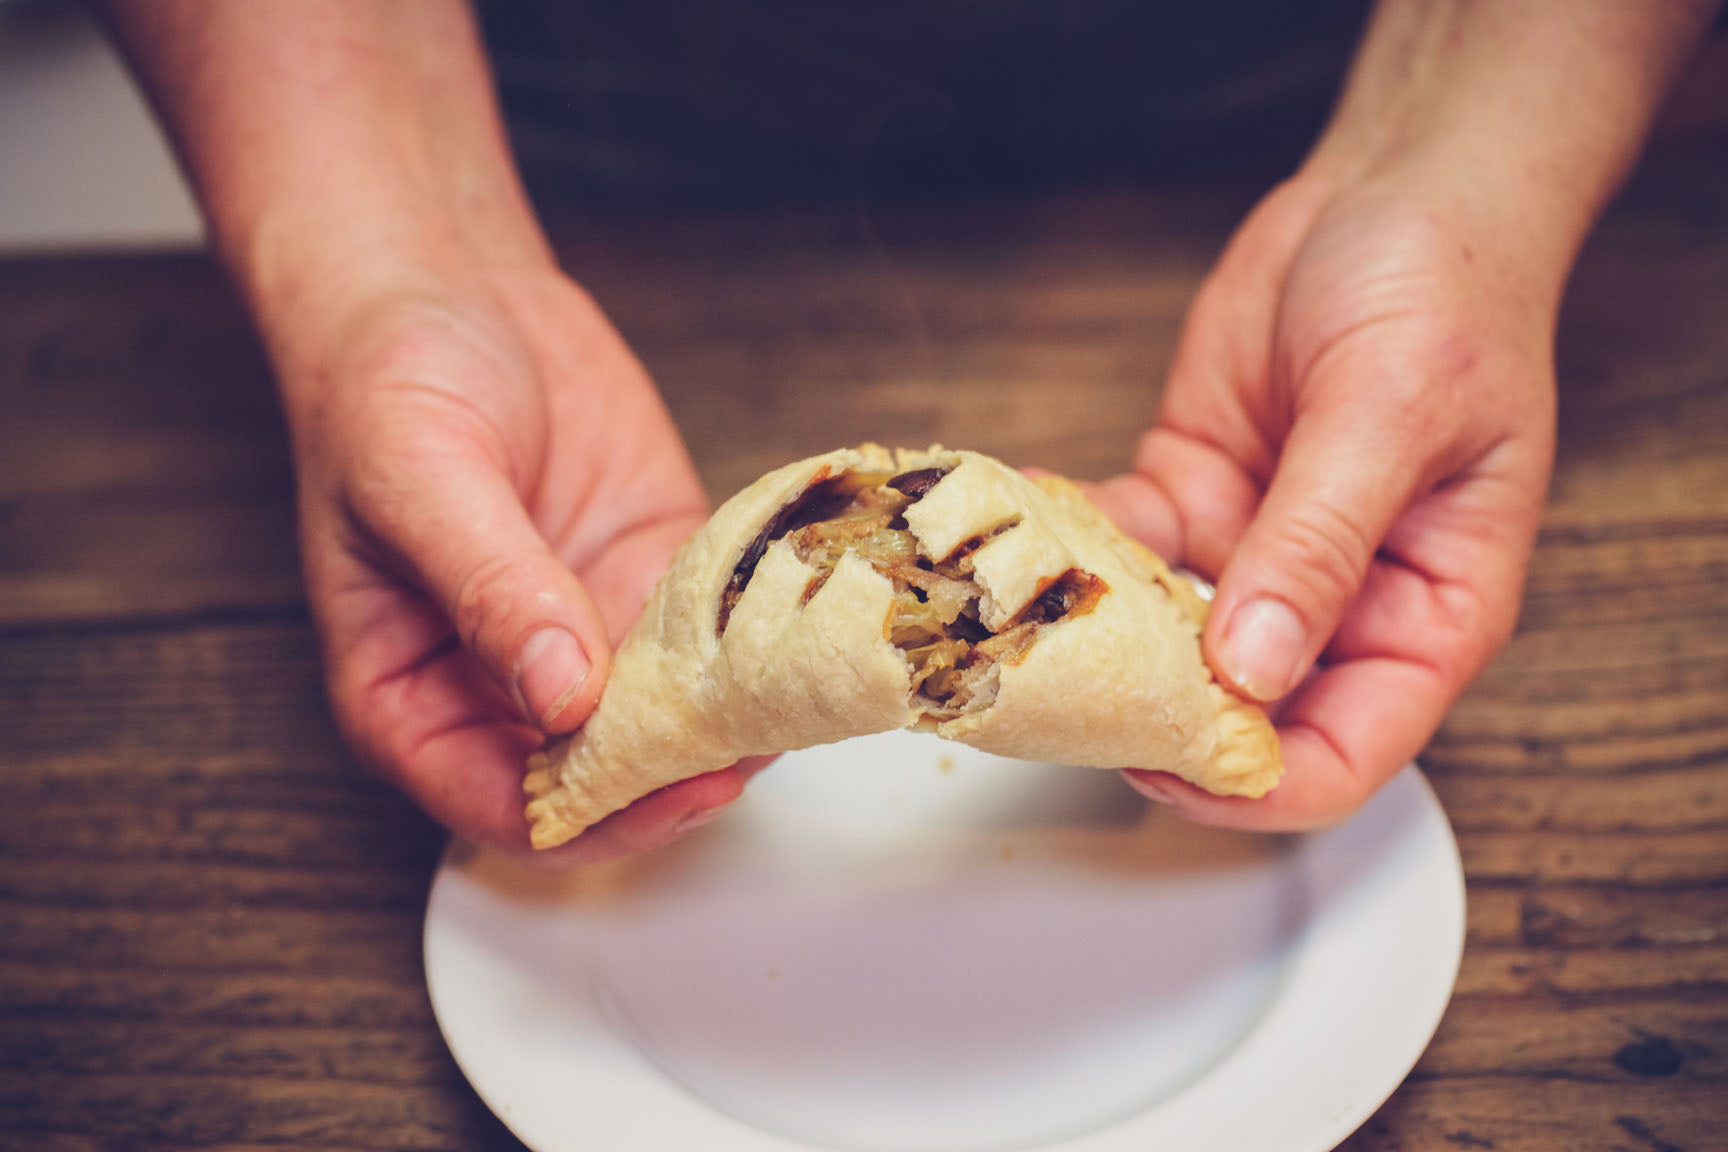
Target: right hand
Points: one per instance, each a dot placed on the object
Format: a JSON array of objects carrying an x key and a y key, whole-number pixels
[
  {"x": 488, "y": 484},
  {"x": 489, "y": 488}
]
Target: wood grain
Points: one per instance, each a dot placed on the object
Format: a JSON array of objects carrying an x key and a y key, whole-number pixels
[{"x": 210, "y": 915}]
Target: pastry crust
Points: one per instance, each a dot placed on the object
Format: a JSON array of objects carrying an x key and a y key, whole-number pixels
[{"x": 749, "y": 648}]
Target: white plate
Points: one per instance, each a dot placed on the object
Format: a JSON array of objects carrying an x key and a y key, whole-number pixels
[{"x": 897, "y": 944}]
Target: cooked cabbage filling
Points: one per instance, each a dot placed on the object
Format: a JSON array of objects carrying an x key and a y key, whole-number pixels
[{"x": 955, "y": 659}]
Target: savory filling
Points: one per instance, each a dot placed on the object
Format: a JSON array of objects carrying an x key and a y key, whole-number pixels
[{"x": 955, "y": 659}]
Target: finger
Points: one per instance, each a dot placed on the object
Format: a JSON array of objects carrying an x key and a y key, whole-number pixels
[
  {"x": 1445, "y": 587},
  {"x": 1433, "y": 608},
  {"x": 1211, "y": 495},
  {"x": 620, "y": 579},
  {"x": 419, "y": 709},
  {"x": 1344, "y": 734},
  {"x": 660, "y": 817},
  {"x": 470, "y": 780},
  {"x": 423, "y": 714},
  {"x": 455, "y": 521},
  {"x": 1347, "y": 471},
  {"x": 654, "y": 821},
  {"x": 1185, "y": 500},
  {"x": 1143, "y": 510}
]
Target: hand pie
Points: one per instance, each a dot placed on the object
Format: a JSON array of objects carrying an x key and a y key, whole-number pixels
[{"x": 866, "y": 590}]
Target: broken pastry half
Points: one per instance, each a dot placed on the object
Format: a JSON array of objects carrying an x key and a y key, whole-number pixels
[{"x": 866, "y": 590}]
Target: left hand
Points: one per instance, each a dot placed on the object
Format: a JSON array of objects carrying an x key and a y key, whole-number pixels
[
  {"x": 1355, "y": 442},
  {"x": 1359, "y": 424}
]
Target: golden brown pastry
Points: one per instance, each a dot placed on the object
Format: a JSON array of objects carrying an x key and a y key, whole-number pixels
[{"x": 866, "y": 590}]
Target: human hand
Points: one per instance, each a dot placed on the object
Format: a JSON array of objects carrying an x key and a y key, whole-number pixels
[
  {"x": 1355, "y": 437},
  {"x": 489, "y": 488},
  {"x": 488, "y": 484},
  {"x": 1354, "y": 442},
  {"x": 1359, "y": 423}
]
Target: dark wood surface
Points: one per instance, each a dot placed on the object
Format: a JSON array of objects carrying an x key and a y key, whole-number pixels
[{"x": 210, "y": 918}]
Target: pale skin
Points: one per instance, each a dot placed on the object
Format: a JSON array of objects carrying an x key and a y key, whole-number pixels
[{"x": 1355, "y": 435}]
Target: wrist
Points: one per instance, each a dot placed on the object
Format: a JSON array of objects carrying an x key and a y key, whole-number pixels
[
  {"x": 343, "y": 153},
  {"x": 310, "y": 278},
  {"x": 428, "y": 321},
  {"x": 1521, "y": 116}
]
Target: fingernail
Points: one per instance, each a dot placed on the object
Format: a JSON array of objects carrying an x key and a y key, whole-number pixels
[
  {"x": 552, "y": 670},
  {"x": 1263, "y": 647},
  {"x": 696, "y": 819},
  {"x": 1150, "y": 788}
]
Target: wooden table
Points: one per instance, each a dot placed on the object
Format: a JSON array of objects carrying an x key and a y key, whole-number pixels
[{"x": 210, "y": 919}]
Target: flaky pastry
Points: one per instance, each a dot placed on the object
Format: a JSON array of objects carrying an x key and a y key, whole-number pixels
[{"x": 867, "y": 590}]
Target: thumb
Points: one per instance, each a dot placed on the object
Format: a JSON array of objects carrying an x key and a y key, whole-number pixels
[
  {"x": 1343, "y": 479},
  {"x": 468, "y": 541}
]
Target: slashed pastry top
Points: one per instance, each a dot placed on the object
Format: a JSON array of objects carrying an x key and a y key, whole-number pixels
[{"x": 870, "y": 589}]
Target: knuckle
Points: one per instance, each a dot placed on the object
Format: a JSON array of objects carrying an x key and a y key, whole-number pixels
[
  {"x": 1479, "y": 625},
  {"x": 1501, "y": 624},
  {"x": 382, "y": 474},
  {"x": 352, "y": 694},
  {"x": 482, "y": 603},
  {"x": 1415, "y": 399},
  {"x": 1409, "y": 414},
  {"x": 1325, "y": 551},
  {"x": 1352, "y": 790},
  {"x": 1432, "y": 408}
]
